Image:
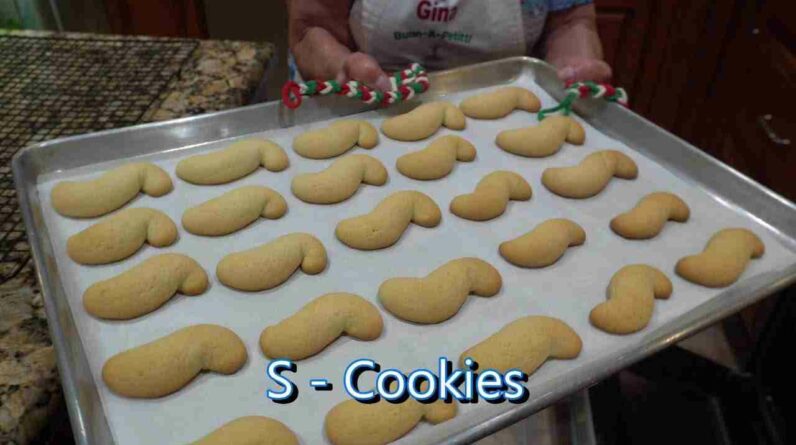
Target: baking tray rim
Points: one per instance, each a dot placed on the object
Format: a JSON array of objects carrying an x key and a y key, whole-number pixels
[{"x": 24, "y": 165}]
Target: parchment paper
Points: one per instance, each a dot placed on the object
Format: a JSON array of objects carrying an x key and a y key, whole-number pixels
[{"x": 567, "y": 290}]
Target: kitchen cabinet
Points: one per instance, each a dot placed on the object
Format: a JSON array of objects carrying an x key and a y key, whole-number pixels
[
  {"x": 749, "y": 120},
  {"x": 170, "y": 18},
  {"x": 623, "y": 27},
  {"x": 722, "y": 75},
  {"x": 665, "y": 53}
]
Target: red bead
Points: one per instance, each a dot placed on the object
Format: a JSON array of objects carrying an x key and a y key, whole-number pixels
[{"x": 291, "y": 95}]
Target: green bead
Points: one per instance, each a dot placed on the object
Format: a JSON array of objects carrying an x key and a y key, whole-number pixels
[{"x": 312, "y": 87}]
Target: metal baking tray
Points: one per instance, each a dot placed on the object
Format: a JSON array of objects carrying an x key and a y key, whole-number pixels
[{"x": 733, "y": 190}]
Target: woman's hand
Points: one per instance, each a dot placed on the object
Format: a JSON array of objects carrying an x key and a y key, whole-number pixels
[
  {"x": 321, "y": 44},
  {"x": 364, "y": 68},
  {"x": 575, "y": 69},
  {"x": 573, "y": 45}
]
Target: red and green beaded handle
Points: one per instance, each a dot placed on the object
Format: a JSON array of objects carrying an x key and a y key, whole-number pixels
[
  {"x": 580, "y": 90},
  {"x": 414, "y": 80},
  {"x": 405, "y": 85}
]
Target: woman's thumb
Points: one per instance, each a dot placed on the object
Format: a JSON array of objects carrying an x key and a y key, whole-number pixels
[
  {"x": 585, "y": 69},
  {"x": 364, "y": 68}
]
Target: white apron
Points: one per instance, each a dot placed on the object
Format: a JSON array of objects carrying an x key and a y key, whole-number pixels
[{"x": 441, "y": 34}]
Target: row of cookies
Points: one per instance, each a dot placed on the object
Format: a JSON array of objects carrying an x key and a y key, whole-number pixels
[
  {"x": 335, "y": 184},
  {"x": 240, "y": 207},
  {"x": 382, "y": 227},
  {"x": 117, "y": 187},
  {"x": 269, "y": 265}
]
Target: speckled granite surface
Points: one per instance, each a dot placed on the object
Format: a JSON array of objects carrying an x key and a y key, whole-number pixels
[
  {"x": 217, "y": 75},
  {"x": 220, "y": 75},
  {"x": 29, "y": 388}
]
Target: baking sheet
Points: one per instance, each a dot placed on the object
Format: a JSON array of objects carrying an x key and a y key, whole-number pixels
[{"x": 567, "y": 290}]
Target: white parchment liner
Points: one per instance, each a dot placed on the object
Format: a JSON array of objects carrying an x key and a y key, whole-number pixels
[{"x": 567, "y": 290}]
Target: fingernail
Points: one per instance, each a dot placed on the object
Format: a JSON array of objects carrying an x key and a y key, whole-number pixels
[
  {"x": 383, "y": 83},
  {"x": 340, "y": 77}
]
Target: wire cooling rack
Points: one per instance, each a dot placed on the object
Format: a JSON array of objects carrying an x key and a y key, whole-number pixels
[{"x": 59, "y": 86}]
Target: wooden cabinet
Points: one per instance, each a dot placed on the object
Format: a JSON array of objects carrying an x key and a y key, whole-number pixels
[
  {"x": 623, "y": 26},
  {"x": 753, "y": 124},
  {"x": 722, "y": 75},
  {"x": 170, "y": 18},
  {"x": 664, "y": 52}
]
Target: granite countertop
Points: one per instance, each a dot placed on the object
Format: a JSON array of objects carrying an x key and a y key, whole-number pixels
[
  {"x": 220, "y": 75},
  {"x": 215, "y": 75}
]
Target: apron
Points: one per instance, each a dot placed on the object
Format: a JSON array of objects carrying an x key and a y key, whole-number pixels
[{"x": 441, "y": 34}]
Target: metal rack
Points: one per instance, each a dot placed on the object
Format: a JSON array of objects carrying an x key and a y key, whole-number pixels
[{"x": 60, "y": 86}]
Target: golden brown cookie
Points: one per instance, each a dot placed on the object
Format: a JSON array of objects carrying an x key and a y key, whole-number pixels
[
  {"x": 355, "y": 423},
  {"x": 111, "y": 191},
  {"x": 233, "y": 162},
  {"x": 145, "y": 287},
  {"x": 384, "y": 226},
  {"x": 234, "y": 210},
  {"x": 166, "y": 365},
  {"x": 525, "y": 344},
  {"x": 491, "y": 196},
  {"x": 590, "y": 176},
  {"x": 267, "y": 266},
  {"x": 340, "y": 180},
  {"x": 336, "y": 139},
  {"x": 437, "y": 160},
  {"x": 319, "y": 323},
  {"x": 647, "y": 218},
  {"x": 724, "y": 259},
  {"x": 542, "y": 140},
  {"x": 631, "y": 299},
  {"x": 121, "y": 235},
  {"x": 543, "y": 245},
  {"x": 250, "y": 430},
  {"x": 424, "y": 121},
  {"x": 499, "y": 103},
  {"x": 439, "y": 295}
]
